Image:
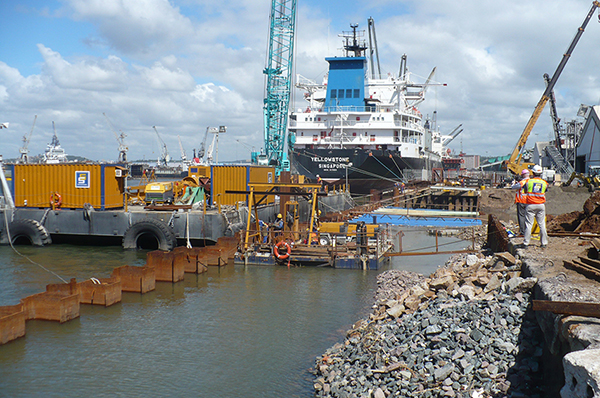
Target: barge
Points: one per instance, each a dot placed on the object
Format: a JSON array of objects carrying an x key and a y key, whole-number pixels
[{"x": 90, "y": 203}]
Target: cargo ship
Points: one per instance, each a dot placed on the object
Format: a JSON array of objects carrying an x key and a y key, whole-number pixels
[{"x": 362, "y": 126}]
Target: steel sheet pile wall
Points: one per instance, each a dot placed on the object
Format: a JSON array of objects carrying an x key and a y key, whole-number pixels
[
  {"x": 61, "y": 301},
  {"x": 77, "y": 184}
]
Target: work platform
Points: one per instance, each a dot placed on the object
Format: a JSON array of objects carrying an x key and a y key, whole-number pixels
[{"x": 137, "y": 227}]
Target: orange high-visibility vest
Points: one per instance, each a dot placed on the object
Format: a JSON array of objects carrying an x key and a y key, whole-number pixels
[
  {"x": 520, "y": 196},
  {"x": 535, "y": 191}
]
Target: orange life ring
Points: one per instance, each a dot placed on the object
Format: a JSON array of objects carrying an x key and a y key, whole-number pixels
[
  {"x": 282, "y": 256},
  {"x": 55, "y": 199}
]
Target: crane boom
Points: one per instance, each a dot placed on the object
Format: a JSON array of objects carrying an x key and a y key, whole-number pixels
[
  {"x": 278, "y": 85},
  {"x": 554, "y": 116},
  {"x": 515, "y": 163}
]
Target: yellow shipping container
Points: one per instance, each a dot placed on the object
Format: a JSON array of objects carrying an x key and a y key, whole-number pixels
[
  {"x": 236, "y": 178},
  {"x": 36, "y": 185}
]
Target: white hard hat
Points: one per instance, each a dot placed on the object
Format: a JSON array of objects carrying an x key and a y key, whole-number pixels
[{"x": 537, "y": 169}]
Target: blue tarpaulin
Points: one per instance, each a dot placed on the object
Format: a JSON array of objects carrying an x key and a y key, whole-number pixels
[{"x": 417, "y": 221}]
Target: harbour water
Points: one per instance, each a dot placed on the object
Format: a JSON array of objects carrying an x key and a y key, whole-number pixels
[{"x": 231, "y": 332}]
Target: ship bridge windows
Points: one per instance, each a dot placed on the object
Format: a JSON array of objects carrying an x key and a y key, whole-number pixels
[{"x": 345, "y": 93}]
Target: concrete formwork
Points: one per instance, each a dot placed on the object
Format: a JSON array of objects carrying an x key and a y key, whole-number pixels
[
  {"x": 102, "y": 291},
  {"x": 135, "y": 279},
  {"x": 12, "y": 323}
]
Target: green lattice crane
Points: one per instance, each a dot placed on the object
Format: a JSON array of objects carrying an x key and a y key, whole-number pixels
[{"x": 279, "y": 81}]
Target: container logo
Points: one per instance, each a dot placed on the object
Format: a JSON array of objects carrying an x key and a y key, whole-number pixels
[{"x": 82, "y": 179}]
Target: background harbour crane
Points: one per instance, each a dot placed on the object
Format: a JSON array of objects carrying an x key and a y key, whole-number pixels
[
  {"x": 23, "y": 150},
  {"x": 164, "y": 157},
  {"x": 202, "y": 150},
  {"x": 121, "y": 140},
  {"x": 183, "y": 155}
]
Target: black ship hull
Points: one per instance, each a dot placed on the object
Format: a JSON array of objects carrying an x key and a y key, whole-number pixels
[{"x": 365, "y": 170}]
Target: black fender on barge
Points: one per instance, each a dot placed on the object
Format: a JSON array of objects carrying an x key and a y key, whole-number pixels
[
  {"x": 26, "y": 232},
  {"x": 149, "y": 234}
]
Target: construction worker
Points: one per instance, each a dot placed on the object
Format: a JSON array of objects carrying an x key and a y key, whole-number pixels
[
  {"x": 535, "y": 198},
  {"x": 278, "y": 224},
  {"x": 320, "y": 182},
  {"x": 520, "y": 200}
]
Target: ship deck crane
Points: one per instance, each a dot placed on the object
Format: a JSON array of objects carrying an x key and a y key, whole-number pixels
[
  {"x": 164, "y": 157},
  {"x": 278, "y": 82},
  {"x": 515, "y": 163},
  {"x": 23, "y": 150},
  {"x": 121, "y": 140},
  {"x": 447, "y": 139}
]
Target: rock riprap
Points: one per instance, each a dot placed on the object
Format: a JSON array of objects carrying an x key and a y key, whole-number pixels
[{"x": 466, "y": 331}]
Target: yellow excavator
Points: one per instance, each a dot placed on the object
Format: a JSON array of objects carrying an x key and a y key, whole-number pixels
[{"x": 515, "y": 163}]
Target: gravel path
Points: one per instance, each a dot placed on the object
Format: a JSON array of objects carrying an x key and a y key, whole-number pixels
[{"x": 466, "y": 331}]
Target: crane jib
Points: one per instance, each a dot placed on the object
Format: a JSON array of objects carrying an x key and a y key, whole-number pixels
[{"x": 514, "y": 163}]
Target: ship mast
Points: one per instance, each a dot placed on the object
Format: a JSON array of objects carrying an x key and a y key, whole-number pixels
[{"x": 354, "y": 42}]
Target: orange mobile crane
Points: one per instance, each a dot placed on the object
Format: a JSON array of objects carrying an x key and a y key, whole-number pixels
[{"x": 515, "y": 163}]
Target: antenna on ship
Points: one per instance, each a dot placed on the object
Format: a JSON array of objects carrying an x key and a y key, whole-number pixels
[{"x": 354, "y": 43}]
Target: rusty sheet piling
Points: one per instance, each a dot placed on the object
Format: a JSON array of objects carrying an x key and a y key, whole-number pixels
[
  {"x": 188, "y": 258},
  {"x": 12, "y": 323},
  {"x": 60, "y": 302},
  {"x": 135, "y": 279},
  {"x": 497, "y": 237},
  {"x": 102, "y": 291},
  {"x": 167, "y": 270}
]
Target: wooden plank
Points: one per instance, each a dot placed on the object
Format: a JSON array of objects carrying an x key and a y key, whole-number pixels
[
  {"x": 583, "y": 269},
  {"x": 590, "y": 261},
  {"x": 568, "y": 308}
]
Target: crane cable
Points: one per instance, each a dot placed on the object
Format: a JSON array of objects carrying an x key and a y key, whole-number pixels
[{"x": 24, "y": 256}]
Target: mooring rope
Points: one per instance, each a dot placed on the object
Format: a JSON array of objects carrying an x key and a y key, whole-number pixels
[{"x": 24, "y": 256}]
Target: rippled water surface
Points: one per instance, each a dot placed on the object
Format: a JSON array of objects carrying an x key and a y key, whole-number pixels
[{"x": 231, "y": 332}]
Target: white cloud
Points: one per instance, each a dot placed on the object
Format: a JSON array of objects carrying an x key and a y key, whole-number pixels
[
  {"x": 184, "y": 65},
  {"x": 89, "y": 74},
  {"x": 136, "y": 27}
]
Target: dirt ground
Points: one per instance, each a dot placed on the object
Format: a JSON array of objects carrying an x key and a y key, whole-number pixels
[{"x": 559, "y": 200}]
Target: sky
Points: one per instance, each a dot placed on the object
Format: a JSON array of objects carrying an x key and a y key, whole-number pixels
[{"x": 185, "y": 65}]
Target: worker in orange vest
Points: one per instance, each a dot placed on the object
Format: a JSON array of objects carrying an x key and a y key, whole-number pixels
[
  {"x": 520, "y": 200},
  {"x": 535, "y": 199}
]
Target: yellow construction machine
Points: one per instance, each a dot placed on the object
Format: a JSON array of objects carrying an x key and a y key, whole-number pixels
[{"x": 515, "y": 163}]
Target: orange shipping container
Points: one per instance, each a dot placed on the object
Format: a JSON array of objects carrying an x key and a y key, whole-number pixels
[{"x": 71, "y": 184}]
